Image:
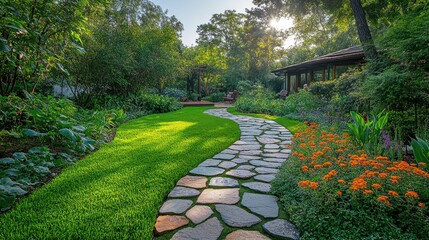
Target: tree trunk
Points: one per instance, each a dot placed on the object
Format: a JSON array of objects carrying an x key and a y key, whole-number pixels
[{"x": 363, "y": 29}]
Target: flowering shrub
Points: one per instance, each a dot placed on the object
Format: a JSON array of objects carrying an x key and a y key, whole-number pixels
[{"x": 333, "y": 190}]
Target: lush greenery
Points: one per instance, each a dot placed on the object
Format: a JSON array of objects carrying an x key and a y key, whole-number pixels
[
  {"x": 333, "y": 190},
  {"x": 131, "y": 176},
  {"x": 41, "y": 135}
]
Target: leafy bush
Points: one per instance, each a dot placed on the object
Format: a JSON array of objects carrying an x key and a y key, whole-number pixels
[
  {"x": 332, "y": 190},
  {"x": 215, "y": 97},
  {"x": 367, "y": 133},
  {"x": 421, "y": 150},
  {"x": 176, "y": 93},
  {"x": 324, "y": 90}
]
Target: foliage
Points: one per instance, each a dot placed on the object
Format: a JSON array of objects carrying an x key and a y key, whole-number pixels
[
  {"x": 22, "y": 172},
  {"x": 35, "y": 36},
  {"x": 333, "y": 190},
  {"x": 176, "y": 93},
  {"x": 131, "y": 175},
  {"x": 215, "y": 97},
  {"x": 421, "y": 150},
  {"x": 367, "y": 132}
]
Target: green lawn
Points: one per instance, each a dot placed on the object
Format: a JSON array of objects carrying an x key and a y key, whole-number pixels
[
  {"x": 288, "y": 123},
  {"x": 115, "y": 193}
]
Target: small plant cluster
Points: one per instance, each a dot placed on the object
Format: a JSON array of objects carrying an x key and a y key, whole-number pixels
[
  {"x": 332, "y": 189},
  {"x": 215, "y": 97}
]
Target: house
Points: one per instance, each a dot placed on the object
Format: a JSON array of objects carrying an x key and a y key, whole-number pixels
[{"x": 326, "y": 67}]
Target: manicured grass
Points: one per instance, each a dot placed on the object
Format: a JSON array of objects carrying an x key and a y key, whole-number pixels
[
  {"x": 288, "y": 123},
  {"x": 115, "y": 193}
]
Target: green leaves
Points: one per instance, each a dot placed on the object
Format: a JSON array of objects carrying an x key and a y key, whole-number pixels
[
  {"x": 69, "y": 134},
  {"x": 420, "y": 150},
  {"x": 367, "y": 132},
  {"x": 32, "y": 133}
]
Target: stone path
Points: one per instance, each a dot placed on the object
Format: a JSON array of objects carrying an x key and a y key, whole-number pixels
[{"x": 228, "y": 194}]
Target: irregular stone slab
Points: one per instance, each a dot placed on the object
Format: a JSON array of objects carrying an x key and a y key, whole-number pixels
[
  {"x": 209, "y": 230},
  {"x": 278, "y": 160},
  {"x": 229, "y": 151},
  {"x": 166, "y": 224},
  {"x": 199, "y": 213},
  {"x": 224, "y": 156},
  {"x": 272, "y": 132},
  {"x": 207, "y": 171},
  {"x": 209, "y": 163},
  {"x": 246, "y": 235},
  {"x": 258, "y": 186},
  {"x": 234, "y": 216},
  {"x": 183, "y": 192},
  {"x": 286, "y": 142},
  {"x": 276, "y": 155},
  {"x": 246, "y": 167},
  {"x": 265, "y": 177},
  {"x": 223, "y": 182},
  {"x": 192, "y": 181},
  {"x": 245, "y": 147},
  {"x": 243, "y": 174},
  {"x": 251, "y": 133},
  {"x": 266, "y": 170},
  {"x": 227, "y": 165},
  {"x": 281, "y": 228},
  {"x": 271, "y": 150},
  {"x": 249, "y": 157},
  {"x": 239, "y": 160},
  {"x": 252, "y": 152},
  {"x": 265, "y": 164},
  {"x": 266, "y": 140},
  {"x": 288, "y": 151},
  {"x": 175, "y": 206},
  {"x": 248, "y": 142},
  {"x": 226, "y": 196},
  {"x": 272, "y": 146},
  {"x": 262, "y": 204}
]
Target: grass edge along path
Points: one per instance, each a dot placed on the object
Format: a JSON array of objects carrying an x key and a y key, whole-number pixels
[
  {"x": 115, "y": 193},
  {"x": 290, "y": 124}
]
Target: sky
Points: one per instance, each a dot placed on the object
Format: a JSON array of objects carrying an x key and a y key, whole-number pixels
[{"x": 196, "y": 12}]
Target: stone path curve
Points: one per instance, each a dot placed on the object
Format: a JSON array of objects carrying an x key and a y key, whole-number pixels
[{"x": 232, "y": 189}]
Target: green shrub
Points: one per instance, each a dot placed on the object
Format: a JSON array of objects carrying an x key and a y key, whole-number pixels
[
  {"x": 323, "y": 90},
  {"x": 215, "y": 97},
  {"x": 178, "y": 94}
]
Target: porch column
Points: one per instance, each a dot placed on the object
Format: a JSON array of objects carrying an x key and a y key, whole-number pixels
[
  {"x": 288, "y": 83},
  {"x": 334, "y": 71},
  {"x": 311, "y": 79},
  {"x": 323, "y": 74},
  {"x": 298, "y": 81}
]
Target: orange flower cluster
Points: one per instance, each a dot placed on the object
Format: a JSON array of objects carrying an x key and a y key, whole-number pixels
[
  {"x": 308, "y": 184},
  {"x": 323, "y": 156}
]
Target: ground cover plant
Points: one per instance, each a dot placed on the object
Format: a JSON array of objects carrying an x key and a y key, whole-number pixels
[
  {"x": 334, "y": 190},
  {"x": 118, "y": 190}
]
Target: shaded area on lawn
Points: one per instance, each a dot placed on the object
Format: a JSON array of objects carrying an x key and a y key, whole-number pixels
[{"x": 116, "y": 192}]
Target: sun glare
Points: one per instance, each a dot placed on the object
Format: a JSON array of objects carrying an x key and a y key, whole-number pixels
[{"x": 281, "y": 23}]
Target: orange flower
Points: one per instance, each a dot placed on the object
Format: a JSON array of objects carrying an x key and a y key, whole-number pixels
[
  {"x": 304, "y": 183},
  {"x": 367, "y": 192},
  {"x": 314, "y": 185},
  {"x": 327, "y": 164},
  {"x": 384, "y": 199},
  {"x": 339, "y": 193},
  {"x": 383, "y": 175},
  {"x": 357, "y": 184},
  {"x": 422, "y": 205},
  {"x": 393, "y": 193},
  {"x": 317, "y": 166},
  {"x": 341, "y": 181},
  {"x": 422, "y": 164},
  {"x": 411, "y": 194},
  {"x": 343, "y": 164},
  {"x": 330, "y": 175},
  {"x": 340, "y": 151},
  {"x": 394, "y": 179},
  {"x": 304, "y": 168},
  {"x": 288, "y": 146},
  {"x": 376, "y": 186}
]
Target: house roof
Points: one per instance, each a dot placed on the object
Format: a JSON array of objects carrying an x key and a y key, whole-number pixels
[{"x": 348, "y": 56}]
